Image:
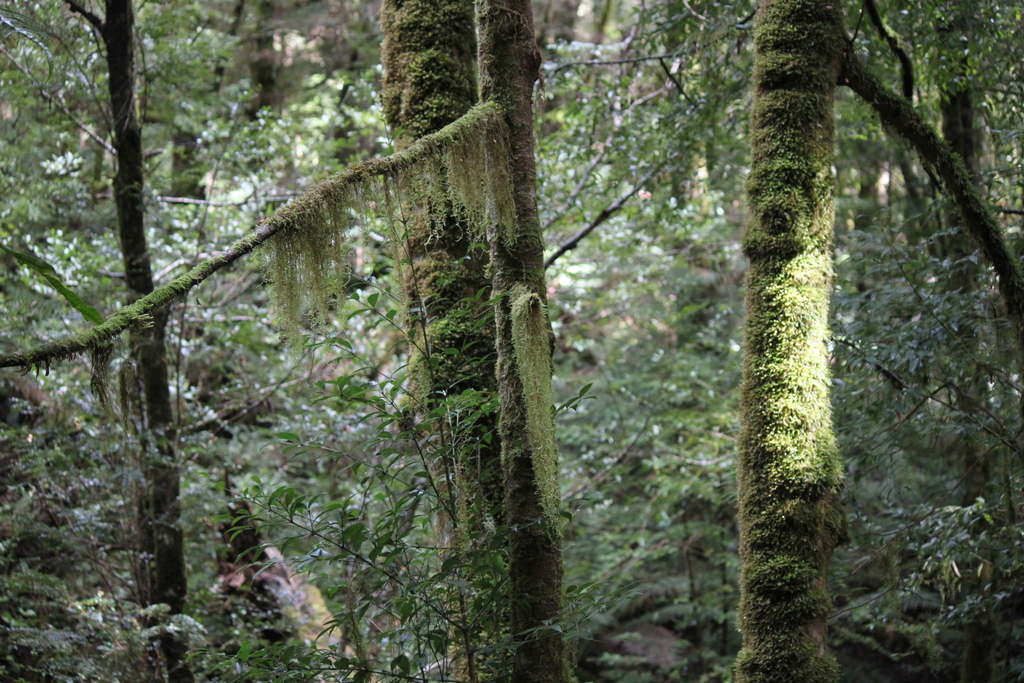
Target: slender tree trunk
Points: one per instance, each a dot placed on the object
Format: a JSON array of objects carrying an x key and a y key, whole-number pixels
[
  {"x": 509, "y": 65},
  {"x": 161, "y": 509},
  {"x": 266, "y": 62},
  {"x": 959, "y": 130},
  {"x": 429, "y": 81},
  {"x": 790, "y": 474}
]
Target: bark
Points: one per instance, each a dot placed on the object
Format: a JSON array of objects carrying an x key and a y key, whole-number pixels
[
  {"x": 509, "y": 67},
  {"x": 959, "y": 132},
  {"x": 160, "y": 508},
  {"x": 789, "y": 472},
  {"x": 429, "y": 60}
]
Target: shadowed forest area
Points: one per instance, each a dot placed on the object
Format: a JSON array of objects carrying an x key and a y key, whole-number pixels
[{"x": 629, "y": 341}]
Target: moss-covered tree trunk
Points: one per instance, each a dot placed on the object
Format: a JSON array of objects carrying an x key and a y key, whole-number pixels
[
  {"x": 509, "y": 65},
  {"x": 429, "y": 81},
  {"x": 160, "y": 507},
  {"x": 790, "y": 475}
]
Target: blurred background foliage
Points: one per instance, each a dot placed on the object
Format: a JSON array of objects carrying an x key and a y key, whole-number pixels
[{"x": 642, "y": 120}]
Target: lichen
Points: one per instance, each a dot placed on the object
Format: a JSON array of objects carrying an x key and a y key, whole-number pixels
[
  {"x": 324, "y": 209},
  {"x": 100, "y": 360},
  {"x": 306, "y": 263},
  {"x": 530, "y": 339}
]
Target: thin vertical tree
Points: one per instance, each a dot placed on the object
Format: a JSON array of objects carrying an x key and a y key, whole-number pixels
[
  {"x": 509, "y": 67},
  {"x": 160, "y": 509},
  {"x": 790, "y": 475}
]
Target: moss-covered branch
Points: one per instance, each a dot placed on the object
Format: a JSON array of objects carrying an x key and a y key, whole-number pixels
[
  {"x": 311, "y": 209},
  {"x": 893, "y": 40},
  {"x": 899, "y": 115}
]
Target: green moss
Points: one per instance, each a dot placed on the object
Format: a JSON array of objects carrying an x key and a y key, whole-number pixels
[
  {"x": 429, "y": 51},
  {"x": 99, "y": 357},
  {"x": 307, "y": 262},
  {"x": 789, "y": 469},
  {"x": 530, "y": 338}
]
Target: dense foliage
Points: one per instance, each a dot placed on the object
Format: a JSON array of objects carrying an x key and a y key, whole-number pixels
[{"x": 305, "y": 447}]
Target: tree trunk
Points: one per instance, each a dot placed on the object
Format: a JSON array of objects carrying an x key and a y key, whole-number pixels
[
  {"x": 958, "y": 129},
  {"x": 790, "y": 474},
  {"x": 161, "y": 509},
  {"x": 429, "y": 60},
  {"x": 265, "y": 63},
  {"x": 509, "y": 66}
]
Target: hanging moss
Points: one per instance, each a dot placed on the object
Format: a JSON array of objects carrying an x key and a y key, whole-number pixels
[
  {"x": 127, "y": 392},
  {"x": 323, "y": 209},
  {"x": 789, "y": 470},
  {"x": 100, "y": 361},
  {"x": 307, "y": 262},
  {"x": 530, "y": 338}
]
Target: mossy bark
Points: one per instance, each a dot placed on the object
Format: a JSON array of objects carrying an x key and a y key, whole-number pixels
[
  {"x": 160, "y": 507},
  {"x": 509, "y": 67},
  {"x": 429, "y": 59},
  {"x": 790, "y": 475}
]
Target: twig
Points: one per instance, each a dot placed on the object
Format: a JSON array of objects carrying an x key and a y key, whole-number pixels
[
  {"x": 199, "y": 202},
  {"x": 58, "y": 100},
  {"x": 611, "y": 62},
  {"x": 581, "y": 185},
  {"x": 605, "y": 214}
]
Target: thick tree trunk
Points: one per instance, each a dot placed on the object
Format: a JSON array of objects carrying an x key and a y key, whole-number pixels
[
  {"x": 161, "y": 508},
  {"x": 509, "y": 64},
  {"x": 429, "y": 81},
  {"x": 790, "y": 475}
]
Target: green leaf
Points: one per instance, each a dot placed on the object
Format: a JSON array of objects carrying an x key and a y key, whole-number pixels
[
  {"x": 27, "y": 27},
  {"x": 49, "y": 274},
  {"x": 400, "y": 663}
]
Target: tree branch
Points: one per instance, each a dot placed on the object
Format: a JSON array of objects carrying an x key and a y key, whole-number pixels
[
  {"x": 893, "y": 39},
  {"x": 290, "y": 217},
  {"x": 58, "y": 100},
  {"x": 611, "y": 62},
  {"x": 89, "y": 16},
  {"x": 605, "y": 214},
  {"x": 899, "y": 115}
]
